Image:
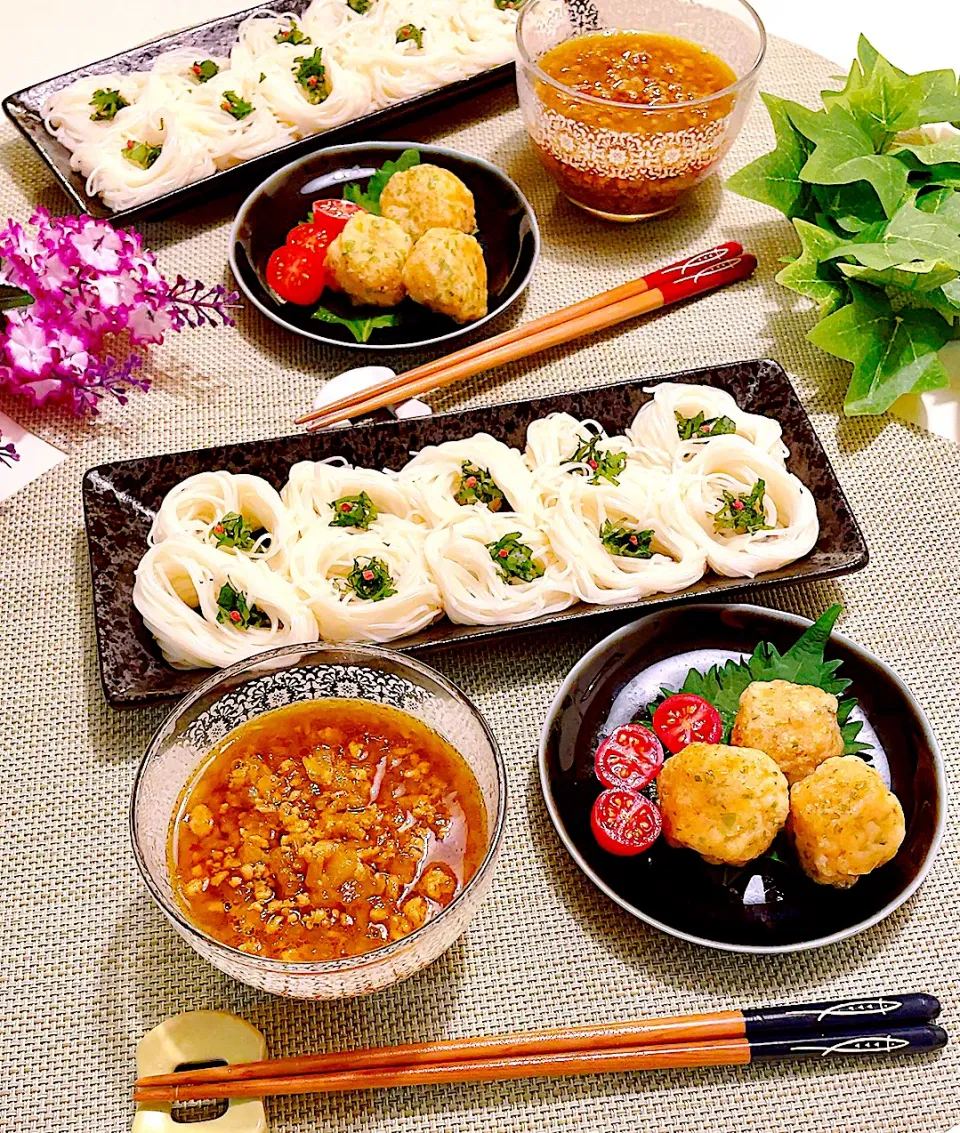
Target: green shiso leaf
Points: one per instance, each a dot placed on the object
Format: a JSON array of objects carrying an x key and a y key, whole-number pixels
[{"x": 803, "y": 663}]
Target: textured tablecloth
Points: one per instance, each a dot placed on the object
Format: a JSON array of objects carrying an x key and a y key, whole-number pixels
[{"x": 89, "y": 965}]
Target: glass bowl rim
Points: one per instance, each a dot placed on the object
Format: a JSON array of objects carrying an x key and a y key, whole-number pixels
[
  {"x": 524, "y": 58},
  {"x": 348, "y": 963}
]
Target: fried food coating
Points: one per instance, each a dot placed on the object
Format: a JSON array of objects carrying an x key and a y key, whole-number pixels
[
  {"x": 446, "y": 272},
  {"x": 426, "y": 197},
  {"x": 366, "y": 260},
  {"x": 796, "y": 725},
  {"x": 727, "y": 803},
  {"x": 844, "y": 822}
]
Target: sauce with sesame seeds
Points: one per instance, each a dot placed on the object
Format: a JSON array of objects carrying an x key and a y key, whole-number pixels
[{"x": 325, "y": 829}]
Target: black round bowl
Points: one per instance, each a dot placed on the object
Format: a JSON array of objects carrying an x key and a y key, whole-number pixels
[
  {"x": 769, "y": 905},
  {"x": 506, "y": 228}
]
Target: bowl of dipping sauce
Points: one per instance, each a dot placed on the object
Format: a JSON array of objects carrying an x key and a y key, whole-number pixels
[
  {"x": 320, "y": 822},
  {"x": 632, "y": 103}
]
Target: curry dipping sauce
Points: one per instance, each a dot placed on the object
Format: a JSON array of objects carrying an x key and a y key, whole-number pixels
[
  {"x": 652, "y": 138},
  {"x": 324, "y": 830}
]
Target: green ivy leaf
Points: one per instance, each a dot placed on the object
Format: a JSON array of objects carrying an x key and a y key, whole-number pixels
[
  {"x": 893, "y": 352},
  {"x": 912, "y": 234},
  {"x": 812, "y": 274},
  {"x": 774, "y": 179}
]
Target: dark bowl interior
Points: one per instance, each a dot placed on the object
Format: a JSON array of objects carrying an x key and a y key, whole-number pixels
[
  {"x": 507, "y": 231},
  {"x": 676, "y": 889}
]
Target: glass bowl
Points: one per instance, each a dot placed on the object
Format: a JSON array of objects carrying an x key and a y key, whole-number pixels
[
  {"x": 287, "y": 676},
  {"x": 620, "y": 160}
]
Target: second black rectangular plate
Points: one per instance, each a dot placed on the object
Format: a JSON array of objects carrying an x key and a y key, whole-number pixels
[
  {"x": 121, "y": 499},
  {"x": 215, "y": 38}
]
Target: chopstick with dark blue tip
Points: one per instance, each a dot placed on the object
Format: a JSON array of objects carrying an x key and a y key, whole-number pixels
[{"x": 872, "y": 1027}]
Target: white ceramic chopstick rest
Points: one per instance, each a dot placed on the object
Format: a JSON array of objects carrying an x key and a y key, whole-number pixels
[
  {"x": 365, "y": 377},
  {"x": 200, "y": 1037}
]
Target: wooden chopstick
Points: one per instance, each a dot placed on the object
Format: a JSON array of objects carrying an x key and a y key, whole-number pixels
[
  {"x": 673, "y": 283},
  {"x": 546, "y": 1047},
  {"x": 719, "y": 1052}
]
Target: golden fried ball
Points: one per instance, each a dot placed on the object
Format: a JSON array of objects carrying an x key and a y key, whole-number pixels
[
  {"x": 428, "y": 197},
  {"x": 366, "y": 260},
  {"x": 844, "y": 822},
  {"x": 727, "y": 803},
  {"x": 446, "y": 272},
  {"x": 796, "y": 725}
]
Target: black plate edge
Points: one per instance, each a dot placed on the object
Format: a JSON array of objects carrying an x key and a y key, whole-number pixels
[
  {"x": 237, "y": 176},
  {"x": 800, "y": 622},
  {"x": 856, "y": 562}
]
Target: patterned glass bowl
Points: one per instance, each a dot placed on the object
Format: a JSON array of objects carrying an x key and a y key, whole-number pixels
[
  {"x": 621, "y": 161},
  {"x": 287, "y": 676}
]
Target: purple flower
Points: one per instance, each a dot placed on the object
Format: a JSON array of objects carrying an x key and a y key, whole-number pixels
[{"x": 79, "y": 299}]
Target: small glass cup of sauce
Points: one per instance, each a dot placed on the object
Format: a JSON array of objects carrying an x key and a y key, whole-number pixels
[{"x": 632, "y": 103}]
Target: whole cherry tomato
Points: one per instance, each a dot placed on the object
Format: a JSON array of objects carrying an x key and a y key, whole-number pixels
[
  {"x": 624, "y": 822},
  {"x": 686, "y": 719},
  {"x": 297, "y": 275},
  {"x": 630, "y": 757}
]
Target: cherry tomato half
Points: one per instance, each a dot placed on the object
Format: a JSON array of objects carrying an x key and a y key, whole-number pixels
[
  {"x": 313, "y": 237},
  {"x": 625, "y": 822},
  {"x": 631, "y": 757},
  {"x": 297, "y": 275},
  {"x": 686, "y": 719},
  {"x": 332, "y": 216}
]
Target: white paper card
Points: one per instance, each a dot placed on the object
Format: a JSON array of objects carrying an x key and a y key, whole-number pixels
[{"x": 36, "y": 457}]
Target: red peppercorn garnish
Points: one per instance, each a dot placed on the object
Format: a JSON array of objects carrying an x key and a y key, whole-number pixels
[
  {"x": 219, "y": 529},
  {"x": 344, "y": 507},
  {"x": 312, "y": 81},
  {"x": 503, "y": 554},
  {"x": 224, "y": 105},
  {"x": 738, "y": 505},
  {"x": 471, "y": 481},
  {"x": 368, "y": 576},
  {"x": 593, "y": 464},
  {"x": 130, "y": 144},
  {"x": 633, "y": 540},
  {"x": 234, "y": 615},
  {"x": 197, "y": 69}
]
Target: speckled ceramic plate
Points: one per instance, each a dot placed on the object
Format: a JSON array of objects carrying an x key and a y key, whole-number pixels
[
  {"x": 506, "y": 228},
  {"x": 215, "y": 37},
  {"x": 768, "y": 905},
  {"x": 121, "y": 499}
]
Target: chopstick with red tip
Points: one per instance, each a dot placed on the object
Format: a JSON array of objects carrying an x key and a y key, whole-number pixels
[{"x": 696, "y": 275}]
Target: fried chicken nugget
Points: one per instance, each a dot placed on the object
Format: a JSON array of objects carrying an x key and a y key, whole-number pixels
[
  {"x": 366, "y": 260},
  {"x": 446, "y": 272},
  {"x": 426, "y": 197},
  {"x": 796, "y": 725},
  {"x": 844, "y": 822},
  {"x": 727, "y": 803}
]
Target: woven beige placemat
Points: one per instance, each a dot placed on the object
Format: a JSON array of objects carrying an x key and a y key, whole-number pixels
[{"x": 88, "y": 964}]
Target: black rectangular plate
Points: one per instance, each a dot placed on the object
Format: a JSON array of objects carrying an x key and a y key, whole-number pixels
[
  {"x": 215, "y": 38},
  {"x": 121, "y": 499}
]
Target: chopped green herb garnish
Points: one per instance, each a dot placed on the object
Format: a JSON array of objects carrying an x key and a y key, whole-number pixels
[
  {"x": 369, "y": 199},
  {"x": 743, "y": 514},
  {"x": 205, "y": 71},
  {"x": 234, "y": 531},
  {"x": 361, "y": 329},
  {"x": 507, "y": 5},
  {"x": 604, "y": 465},
  {"x": 514, "y": 559},
  {"x": 141, "y": 153},
  {"x": 263, "y": 75},
  {"x": 694, "y": 428},
  {"x": 477, "y": 486},
  {"x": 353, "y": 511},
  {"x": 631, "y": 544},
  {"x": 360, "y": 6},
  {"x": 235, "y": 610},
  {"x": 293, "y": 35},
  {"x": 410, "y": 32},
  {"x": 310, "y": 75},
  {"x": 370, "y": 579},
  {"x": 235, "y": 105},
  {"x": 105, "y": 105}
]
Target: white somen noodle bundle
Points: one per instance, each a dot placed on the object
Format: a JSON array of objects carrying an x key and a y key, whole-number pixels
[
  {"x": 616, "y": 544},
  {"x": 744, "y": 529},
  {"x": 439, "y": 472},
  {"x": 200, "y": 504},
  {"x": 315, "y": 486},
  {"x": 208, "y": 609},
  {"x": 366, "y": 585},
  {"x": 470, "y": 558},
  {"x": 703, "y": 411}
]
